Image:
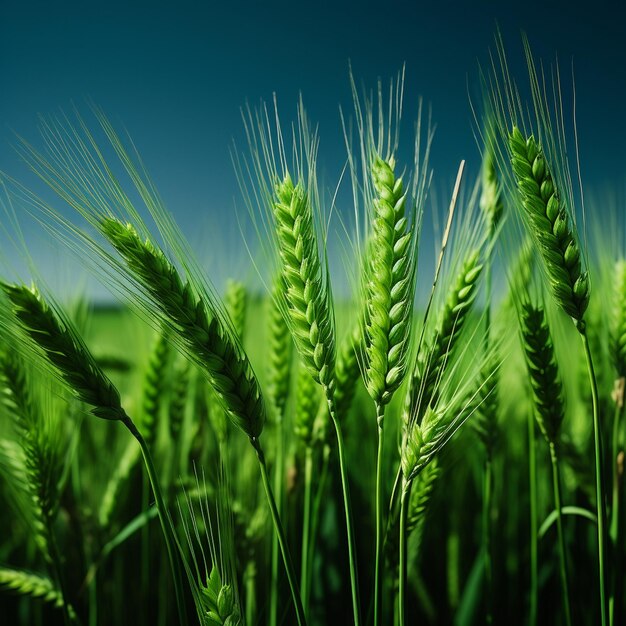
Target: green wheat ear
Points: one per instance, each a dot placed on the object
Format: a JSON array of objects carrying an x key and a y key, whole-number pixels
[
  {"x": 485, "y": 419},
  {"x": 419, "y": 502},
  {"x": 390, "y": 285},
  {"x": 65, "y": 351},
  {"x": 279, "y": 355},
  {"x": 433, "y": 358},
  {"x": 347, "y": 375},
  {"x": 347, "y": 370},
  {"x": 307, "y": 295},
  {"x": 40, "y": 461},
  {"x": 154, "y": 386},
  {"x": 236, "y": 301},
  {"x": 549, "y": 224},
  {"x": 208, "y": 340},
  {"x": 34, "y": 585},
  {"x": 491, "y": 203},
  {"x": 307, "y": 404},
  {"x": 543, "y": 370}
]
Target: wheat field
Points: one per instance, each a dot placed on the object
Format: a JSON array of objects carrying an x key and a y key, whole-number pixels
[{"x": 438, "y": 442}]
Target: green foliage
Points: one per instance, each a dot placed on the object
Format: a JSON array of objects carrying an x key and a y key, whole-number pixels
[{"x": 219, "y": 602}]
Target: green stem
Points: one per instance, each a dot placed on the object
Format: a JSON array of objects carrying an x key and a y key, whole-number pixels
[
  {"x": 556, "y": 482},
  {"x": 600, "y": 490},
  {"x": 380, "y": 416},
  {"x": 145, "y": 549},
  {"x": 166, "y": 526},
  {"x": 402, "y": 567},
  {"x": 617, "y": 510},
  {"x": 306, "y": 529},
  {"x": 532, "y": 479},
  {"x": 394, "y": 493},
  {"x": 487, "y": 300},
  {"x": 616, "y": 446},
  {"x": 58, "y": 570},
  {"x": 348, "y": 513},
  {"x": 280, "y": 533},
  {"x": 487, "y": 489},
  {"x": 278, "y": 490},
  {"x": 488, "y": 470},
  {"x": 319, "y": 495},
  {"x": 249, "y": 577}
]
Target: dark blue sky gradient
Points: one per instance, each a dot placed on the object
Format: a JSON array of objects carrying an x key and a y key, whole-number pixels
[{"x": 176, "y": 74}]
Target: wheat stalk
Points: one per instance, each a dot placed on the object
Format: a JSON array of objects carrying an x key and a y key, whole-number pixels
[
  {"x": 279, "y": 368},
  {"x": 549, "y": 411},
  {"x": 214, "y": 347},
  {"x": 310, "y": 316},
  {"x": 618, "y": 354},
  {"x": 305, "y": 411},
  {"x": 417, "y": 508},
  {"x": 548, "y": 218},
  {"x": 390, "y": 289}
]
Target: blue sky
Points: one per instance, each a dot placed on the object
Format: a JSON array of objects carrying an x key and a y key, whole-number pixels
[{"x": 176, "y": 74}]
